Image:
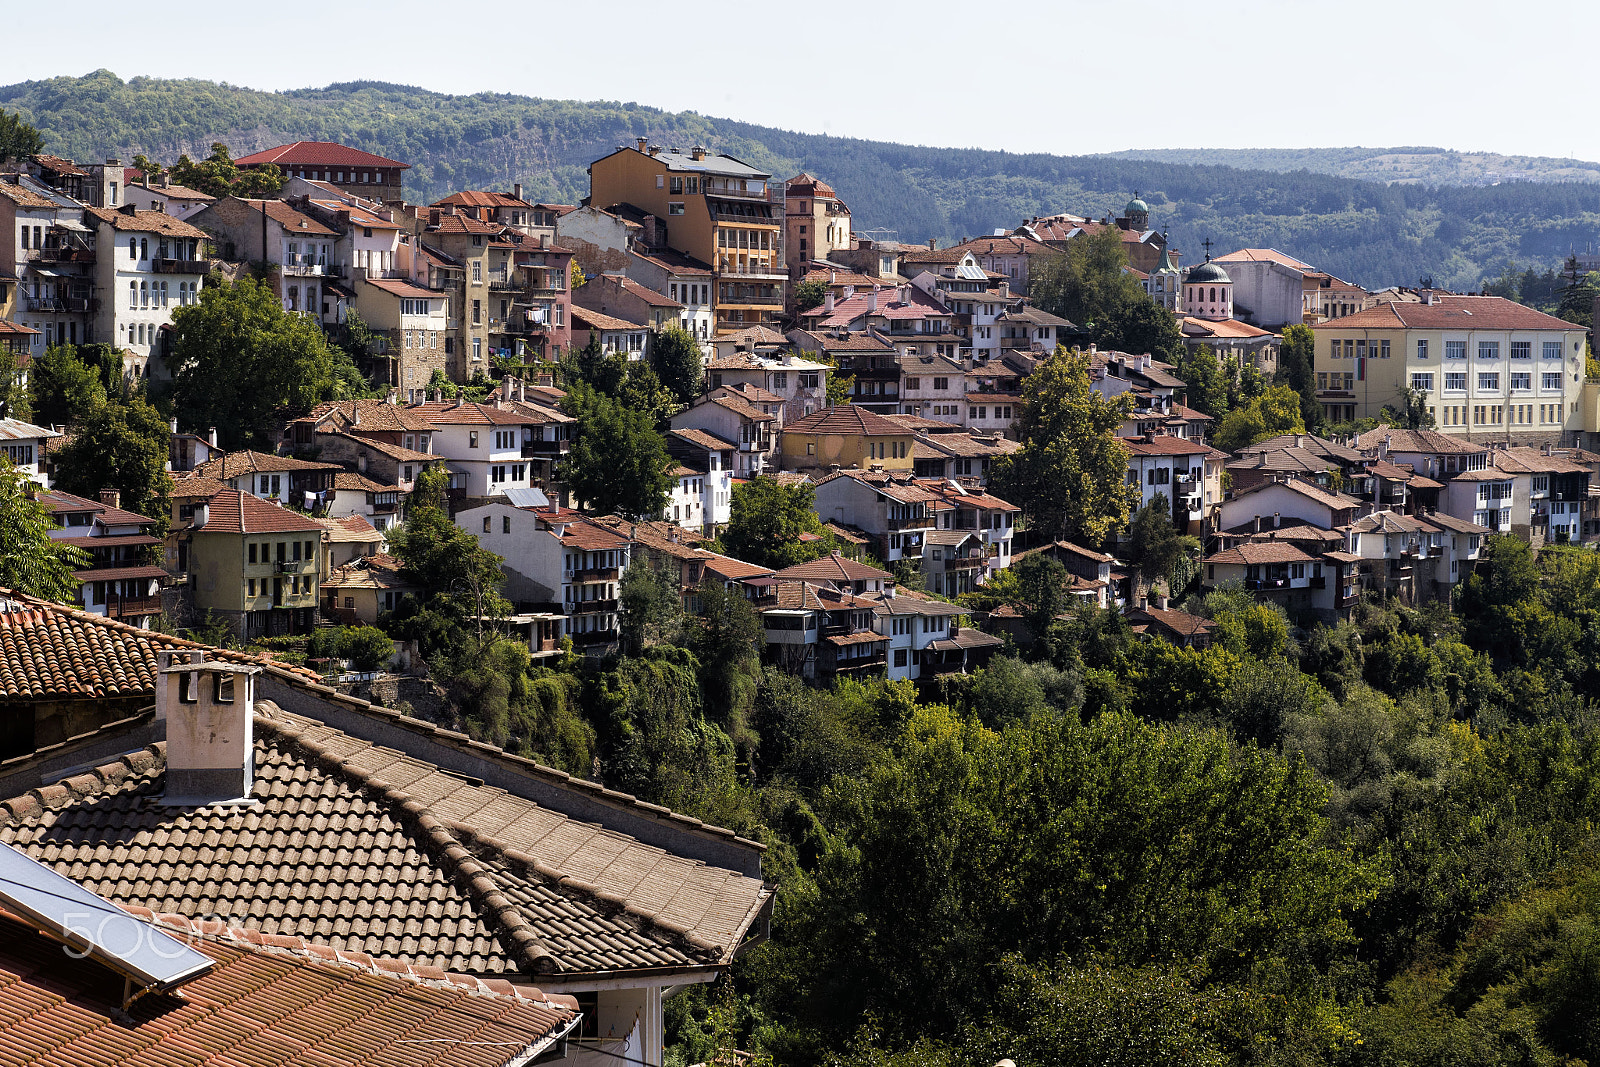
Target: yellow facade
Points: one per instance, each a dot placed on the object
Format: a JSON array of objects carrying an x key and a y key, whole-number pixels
[
  {"x": 1481, "y": 384},
  {"x": 891, "y": 452},
  {"x": 227, "y": 582},
  {"x": 720, "y": 220}
]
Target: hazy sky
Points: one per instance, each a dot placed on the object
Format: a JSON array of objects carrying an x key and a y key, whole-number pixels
[{"x": 1069, "y": 77}]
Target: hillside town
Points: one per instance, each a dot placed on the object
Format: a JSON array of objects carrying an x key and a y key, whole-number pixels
[{"x": 341, "y": 683}]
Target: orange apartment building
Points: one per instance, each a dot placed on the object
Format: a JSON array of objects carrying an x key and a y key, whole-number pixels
[{"x": 718, "y": 210}]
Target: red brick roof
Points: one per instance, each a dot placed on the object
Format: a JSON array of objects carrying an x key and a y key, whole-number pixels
[
  {"x": 285, "y": 996},
  {"x": 237, "y": 512},
  {"x": 481, "y": 198},
  {"x": 1256, "y": 552},
  {"x": 317, "y": 154},
  {"x": 1450, "y": 313},
  {"x": 846, "y": 419},
  {"x": 1167, "y": 445},
  {"x": 448, "y": 413},
  {"x": 237, "y": 464},
  {"x": 834, "y": 568},
  {"x": 145, "y": 222}
]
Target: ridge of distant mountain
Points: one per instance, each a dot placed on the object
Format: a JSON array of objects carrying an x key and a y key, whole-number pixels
[
  {"x": 1370, "y": 232},
  {"x": 1412, "y": 164}
]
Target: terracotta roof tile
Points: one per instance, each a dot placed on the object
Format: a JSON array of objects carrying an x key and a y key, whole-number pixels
[
  {"x": 317, "y": 154},
  {"x": 1450, "y": 313},
  {"x": 834, "y": 568},
  {"x": 234, "y": 511},
  {"x": 846, "y": 419},
  {"x": 145, "y": 222},
  {"x": 261, "y": 999}
]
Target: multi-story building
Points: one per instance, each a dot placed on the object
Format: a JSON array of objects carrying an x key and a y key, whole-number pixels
[
  {"x": 1187, "y": 473},
  {"x": 157, "y": 193},
  {"x": 869, "y": 360},
  {"x": 24, "y": 445},
  {"x": 481, "y": 444},
  {"x": 121, "y": 580},
  {"x": 1011, "y": 258},
  {"x": 816, "y": 223},
  {"x": 729, "y": 417},
  {"x": 416, "y": 327},
  {"x": 712, "y": 458},
  {"x": 1268, "y": 286},
  {"x": 683, "y": 279},
  {"x": 620, "y": 296},
  {"x": 983, "y": 514},
  {"x": 933, "y": 387},
  {"x": 926, "y": 638},
  {"x": 147, "y": 265},
  {"x": 268, "y": 477},
  {"x": 717, "y": 209},
  {"x": 615, "y": 336},
  {"x": 352, "y": 170},
  {"x": 555, "y": 560},
  {"x": 846, "y": 435},
  {"x": 896, "y": 513},
  {"x": 48, "y": 253},
  {"x": 1485, "y": 368},
  {"x": 817, "y": 631},
  {"x": 252, "y": 564},
  {"x": 959, "y": 455},
  {"x": 300, "y": 249},
  {"x": 802, "y": 385}
]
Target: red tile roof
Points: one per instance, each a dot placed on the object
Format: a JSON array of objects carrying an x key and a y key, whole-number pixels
[
  {"x": 1257, "y": 552},
  {"x": 846, "y": 419},
  {"x": 1450, "y": 313},
  {"x": 236, "y": 512},
  {"x": 145, "y": 222},
  {"x": 449, "y": 413},
  {"x": 317, "y": 154},
  {"x": 236, "y": 464},
  {"x": 834, "y": 568},
  {"x": 262, "y": 1001}
]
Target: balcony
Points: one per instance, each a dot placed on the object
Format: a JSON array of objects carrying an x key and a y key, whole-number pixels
[
  {"x": 593, "y": 637},
  {"x": 291, "y": 270},
  {"x": 65, "y": 255},
  {"x": 595, "y": 574},
  {"x": 128, "y": 607},
  {"x": 593, "y": 607},
  {"x": 183, "y": 266},
  {"x": 861, "y": 663},
  {"x": 1264, "y": 584},
  {"x": 534, "y": 449},
  {"x": 966, "y": 563},
  {"x": 289, "y": 566},
  {"x": 501, "y": 284},
  {"x": 1319, "y": 582}
]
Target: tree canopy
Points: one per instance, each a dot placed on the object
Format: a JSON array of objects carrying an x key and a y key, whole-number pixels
[
  {"x": 1068, "y": 477},
  {"x": 30, "y": 562},
  {"x": 766, "y": 520},
  {"x": 18, "y": 140},
  {"x": 618, "y": 463},
  {"x": 219, "y": 176}
]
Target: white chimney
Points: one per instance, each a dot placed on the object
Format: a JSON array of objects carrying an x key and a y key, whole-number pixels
[
  {"x": 872, "y": 301},
  {"x": 202, "y": 515},
  {"x": 211, "y": 437},
  {"x": 208, "y": 707},
  {"x": 827, "y": 306}
]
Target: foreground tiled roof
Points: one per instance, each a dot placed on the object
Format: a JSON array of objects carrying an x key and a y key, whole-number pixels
[
  {"x": 259, "y": 1004},
  {"x": 48, "y": 650},
  {"x": 365, "y": 849}
]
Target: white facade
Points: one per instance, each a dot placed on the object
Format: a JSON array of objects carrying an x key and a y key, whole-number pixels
[
  {"x": 21, "y": 443},
  {"x": 144, "y": 276}
]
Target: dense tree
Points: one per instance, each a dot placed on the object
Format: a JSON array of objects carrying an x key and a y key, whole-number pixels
[
  {"x": 1036, "y": 587},
  {"x": 1089, "y": 285},
  {"x": 18, "y": 140},
  {"x": 808, "y": 295},
  {"x": 63, "y": 387},
  {"x": 1297, "y": 366},
  {"x": 648, "y": 597},
  {"x": 30, "y": 562},
  {"x": 766, "y": 519},
  {"x": 121, "y": 445},
  {"x": 619, "y": 463},
  {"x": 1152, "y": 543},
  {"x": 1276, "y": 411},
  {"x": 242, "y": 364},
  {"x": 219, "y": 176},
  {"x": 1068, "y": 477},
  {"x": 1207, "y": 390},
  {"x": 675, "y": 356}
]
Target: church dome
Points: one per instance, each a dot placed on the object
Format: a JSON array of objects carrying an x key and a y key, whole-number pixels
[
  {"x": 1209, "y": 273},
  {"x": 1136, "y": 206}
]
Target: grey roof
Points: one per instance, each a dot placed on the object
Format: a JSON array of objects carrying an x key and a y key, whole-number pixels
[
  {"x": 17, "y": 430},
  {"x": 718, "y": 164},
  {"x": 527, "y": 497}
]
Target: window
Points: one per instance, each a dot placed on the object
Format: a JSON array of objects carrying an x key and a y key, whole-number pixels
[
  {"x": 1422, "y": 349},
  {"x": 913, "y": 384},
  {"x": 486, "y": 521},
  {"x": 808, "y": 379},
  {"x": 1455, "y": 350},
  {"x": 1422, "y": 383},
  {"x": 675, "y": 185},
  {"x": 1488, "y": 381},
  {"x": 477, "y": 348},
  {"x": 1550, "y": 381},
  {"x": 941, "y": 384},
  {"x": 1522, "y": 381},
  {"x": 1455, "y": 380},
  {"x": 674, "y": 207},
  {"x": 780, "y": 380},
  {"x": 1488, "y": 349},
  {"x": 1552, "y": 350},
  {"x": 1521, "y": 349},
  {"x": 472, "y": 438},
  {"x": 252, "y": 552},
  {"x": 477, "y": 310},
  {"x": 1383, "y": 349}
]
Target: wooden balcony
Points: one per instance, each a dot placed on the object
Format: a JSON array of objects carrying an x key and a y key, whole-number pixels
[
  {"x": 594, "y": 607},
  {"x": 596, "y": 574}
]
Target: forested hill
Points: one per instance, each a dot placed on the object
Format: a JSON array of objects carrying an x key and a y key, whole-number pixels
[
  {"x": 1373, "y": 233},
  {"x": 1431, "y": 166}
]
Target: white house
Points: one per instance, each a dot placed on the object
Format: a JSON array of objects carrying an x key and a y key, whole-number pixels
[
  {"x": 481, "y": 444},
  {"x": 22, "y": 443},
  {"x": 148, "y": 264}
]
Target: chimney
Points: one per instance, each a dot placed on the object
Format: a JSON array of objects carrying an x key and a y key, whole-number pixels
[
  {"x": 516, "y": 190},
  {"x": 640, "y": 143},
  {"x": 505, "y": 387},
  {"x": 461, "y": 399},
  {"x": 112, "y": 498},
  {"x": 1255, "y": 524},
  {"x": 872, "y": 301},
  {"x": 211, "y": 437},
  {"x": 931, "y": 245},
  {"x": 827, "y": 302},
  {"x": 697, "y": 152},
  {"x": 355, "y": 416},
  {"x": 544, "y": 240},
  {"x": 1143, "y": 602},
  {"x": 1277, "y": 521},
  {"x": 173, "y": 425},
  {"x": 208, "y": 707}
]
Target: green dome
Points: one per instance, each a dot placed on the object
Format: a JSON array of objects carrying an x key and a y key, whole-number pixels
[{"x": 1136, "y": 204}]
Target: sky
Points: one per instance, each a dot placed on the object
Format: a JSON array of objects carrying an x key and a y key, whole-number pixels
[{"x": 1070, "y": 77}]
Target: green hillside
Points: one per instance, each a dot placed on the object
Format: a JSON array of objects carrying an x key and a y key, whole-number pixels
[
  {"x": 1431, "y": 166},
  {"x": 1373, "y": 233}
]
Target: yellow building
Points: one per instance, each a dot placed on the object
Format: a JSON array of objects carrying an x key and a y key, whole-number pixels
[
  {"x": 253, "y": 564},
  {"x": 715, "y": 208},
  {"x": 849, "y": 436},
  {"x": 1486, "y": 368}
]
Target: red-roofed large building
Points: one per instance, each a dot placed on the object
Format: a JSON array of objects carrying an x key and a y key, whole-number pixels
[
  {"x": 1486, "y": 368},
  {"x": 847, "y": 435},
  {"x": 362, "y": 173}
]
